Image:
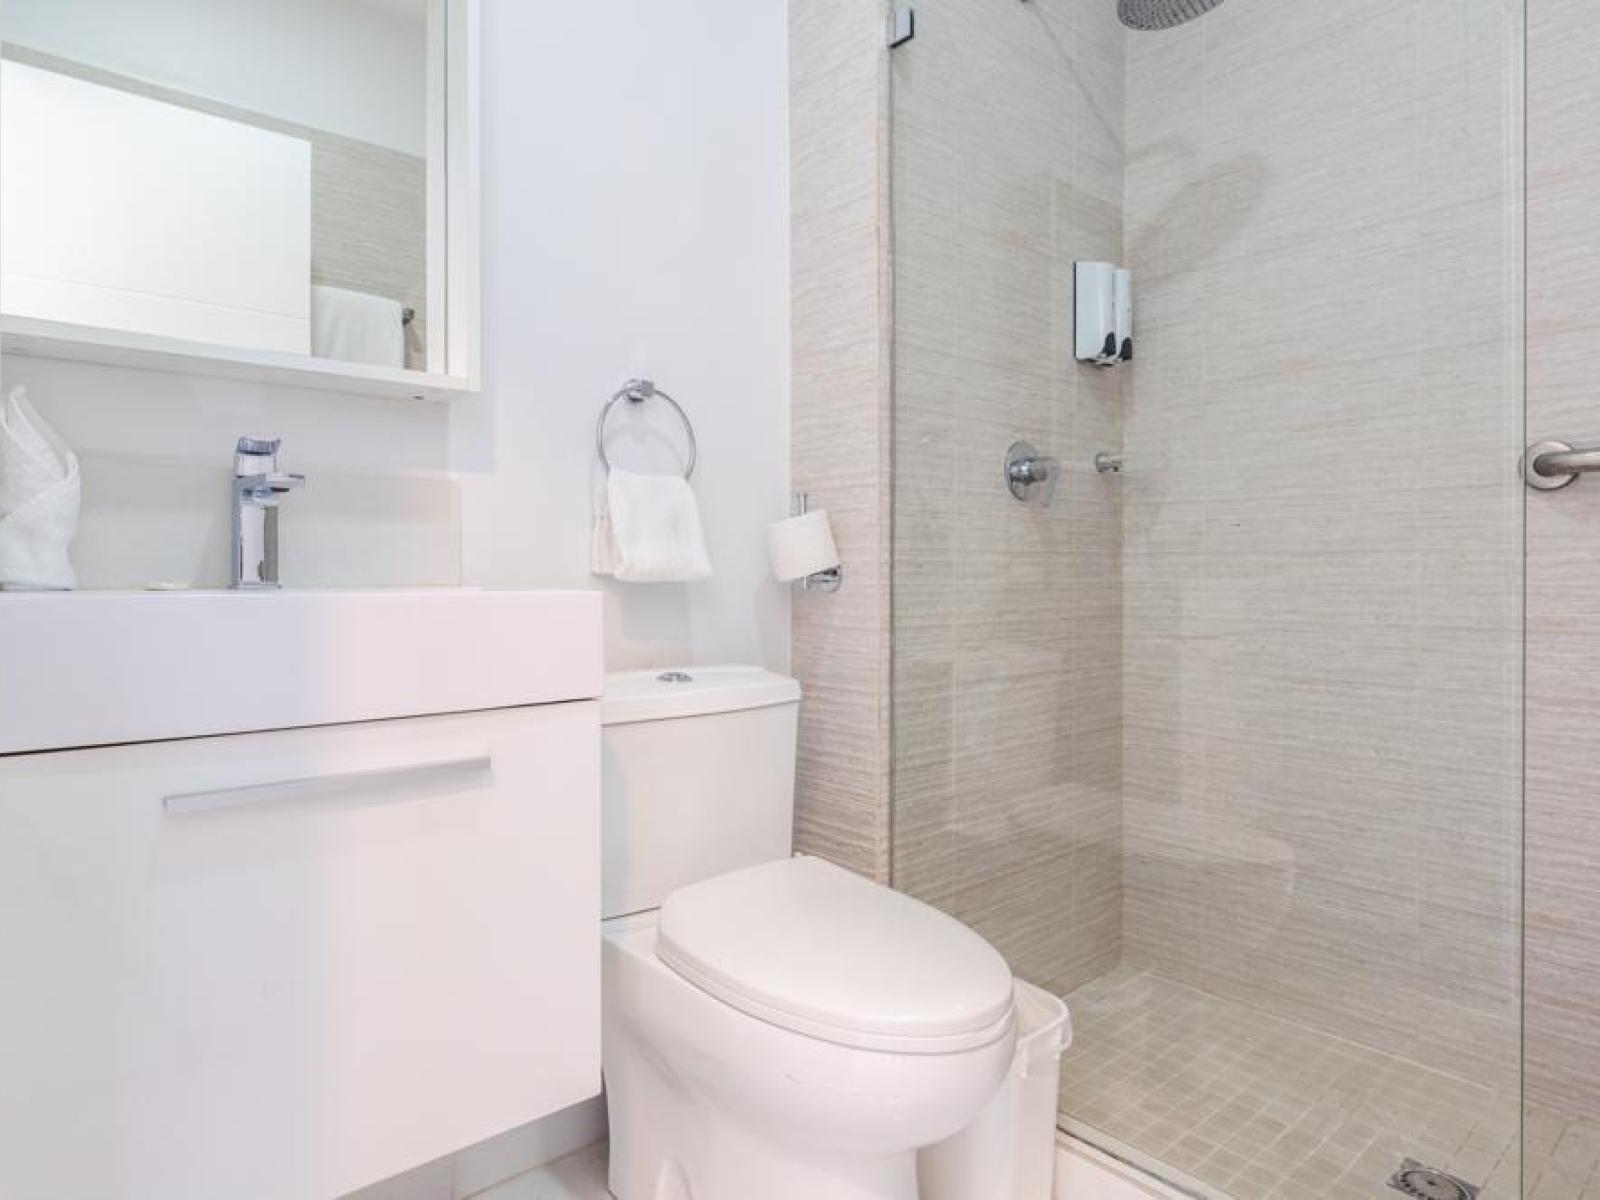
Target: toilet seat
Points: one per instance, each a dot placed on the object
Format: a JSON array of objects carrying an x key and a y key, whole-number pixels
[{"x": 815, "y": 949}]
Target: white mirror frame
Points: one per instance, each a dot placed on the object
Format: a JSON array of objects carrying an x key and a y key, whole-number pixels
[{"x": 454, "y": 271}]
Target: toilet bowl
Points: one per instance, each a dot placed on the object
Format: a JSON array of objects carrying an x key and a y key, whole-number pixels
[
  {"x": 803, "y": 1035},
  {"x": 780, "y": 1028}
]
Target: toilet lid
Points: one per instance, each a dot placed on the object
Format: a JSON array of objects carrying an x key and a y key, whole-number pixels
[{"x": 816, "y": 949}]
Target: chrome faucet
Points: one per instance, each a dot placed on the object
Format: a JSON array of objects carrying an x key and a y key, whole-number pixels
[{"x": 258, "y": 487}]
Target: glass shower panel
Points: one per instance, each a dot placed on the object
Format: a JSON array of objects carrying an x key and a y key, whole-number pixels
[{"x": 1224, "y": 745}]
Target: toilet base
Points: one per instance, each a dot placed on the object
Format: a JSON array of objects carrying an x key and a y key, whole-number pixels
[
  {"x": 666, "y": 1146},
  {"x": 709, "y": 1103}
]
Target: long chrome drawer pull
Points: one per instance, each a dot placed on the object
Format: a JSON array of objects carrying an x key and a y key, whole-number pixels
[
  {"x": 1552, "y": 465},
  {"x": 430, "y": 775}
]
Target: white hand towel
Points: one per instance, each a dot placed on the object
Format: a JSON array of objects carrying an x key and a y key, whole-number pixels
[
  {"x": 357, "y": 327},
  {"x": 647, "y": 530},
  {"x": 39, "y": 493}
]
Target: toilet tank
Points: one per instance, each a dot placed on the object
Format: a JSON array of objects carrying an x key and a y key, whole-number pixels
[{"x": 697, "y": 778}]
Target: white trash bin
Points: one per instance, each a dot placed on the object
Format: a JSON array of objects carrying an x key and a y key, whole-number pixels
[{"x": 1009, "y": 1152}]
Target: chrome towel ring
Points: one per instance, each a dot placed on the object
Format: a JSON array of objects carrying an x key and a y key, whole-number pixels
[{"x": 637, "y": 391}]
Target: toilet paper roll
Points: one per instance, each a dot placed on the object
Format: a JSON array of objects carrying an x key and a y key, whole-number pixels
[{"x": 801, "y": 546}]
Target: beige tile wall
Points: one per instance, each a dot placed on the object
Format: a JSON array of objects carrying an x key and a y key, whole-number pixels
[
  {"x": 369, "y": 226},
  {"x": 1007, "y": 662},
  {"x": 1563, "y": 976},
  {"x": 1322, "y": 524},
  {"x": 840, "y": 422}
]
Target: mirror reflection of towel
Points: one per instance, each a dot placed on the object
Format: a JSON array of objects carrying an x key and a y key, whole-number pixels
[
  {"x": 39, "y": 495},
  {"x": 357, "y": 327}
]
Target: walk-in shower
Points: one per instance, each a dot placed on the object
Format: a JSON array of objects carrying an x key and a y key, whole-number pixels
[{"x": 1225, "y": 745}]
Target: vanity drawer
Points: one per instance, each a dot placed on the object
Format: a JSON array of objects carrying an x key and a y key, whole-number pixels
[{"x": 287, "y": 965}]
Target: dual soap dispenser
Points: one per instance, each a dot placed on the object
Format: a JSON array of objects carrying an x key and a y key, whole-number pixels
[{"x": 1104, "y": 302}]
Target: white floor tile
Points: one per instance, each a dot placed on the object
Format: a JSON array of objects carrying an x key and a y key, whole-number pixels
[{"x": 579, "y": 1176}]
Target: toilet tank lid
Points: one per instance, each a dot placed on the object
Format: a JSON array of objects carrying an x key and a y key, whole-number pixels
[{"x": 664, "y": 692}]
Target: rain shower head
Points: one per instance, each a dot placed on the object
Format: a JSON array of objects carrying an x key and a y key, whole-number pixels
[{"x": 1162, "y": 14}]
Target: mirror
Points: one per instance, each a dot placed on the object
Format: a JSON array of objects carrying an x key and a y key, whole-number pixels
[{"x": 264, "y": 178}]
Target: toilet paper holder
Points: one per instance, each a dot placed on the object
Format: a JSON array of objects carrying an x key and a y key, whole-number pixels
[
  {"x": 826, "y": 582},
  {"x": 790, "y": 564}
]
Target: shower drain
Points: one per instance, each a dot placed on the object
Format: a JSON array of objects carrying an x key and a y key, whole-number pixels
[{"x": 1414, "y": 1179}]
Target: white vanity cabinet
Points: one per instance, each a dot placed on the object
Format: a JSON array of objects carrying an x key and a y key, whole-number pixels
[
  {"x": 285, "y": 965},
  {"x": 291, "y": 964}
]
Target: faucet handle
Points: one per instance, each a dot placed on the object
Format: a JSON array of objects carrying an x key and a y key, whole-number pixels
[
  {"x": 1031, "y": 475},
  {"x": 256, "y": 456}
]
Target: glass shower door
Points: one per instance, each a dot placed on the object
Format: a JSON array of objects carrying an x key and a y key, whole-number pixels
[{"x": 1224, "y": 744}]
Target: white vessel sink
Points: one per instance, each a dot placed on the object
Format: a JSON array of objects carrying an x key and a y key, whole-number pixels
[{"x": 101, "y": 668}]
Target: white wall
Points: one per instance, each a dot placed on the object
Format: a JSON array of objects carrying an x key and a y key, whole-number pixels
[
  {"x": 347, "y": 66},
  {"x": 636, "y": 224},
  {"x": 636, "y": 206},
  {"x": 379, "y": 509}
]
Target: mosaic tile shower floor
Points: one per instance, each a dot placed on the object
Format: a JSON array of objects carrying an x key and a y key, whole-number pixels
[{"x": 1258, "y": 1108}]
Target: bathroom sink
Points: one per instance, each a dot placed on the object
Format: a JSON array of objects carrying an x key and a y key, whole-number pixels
[{"x": 100, "y": 668}]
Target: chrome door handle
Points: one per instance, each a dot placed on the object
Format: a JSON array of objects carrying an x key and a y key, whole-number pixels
[
  {"x": 349, "y": 784},
  {"x": 1550, "y": 466}
]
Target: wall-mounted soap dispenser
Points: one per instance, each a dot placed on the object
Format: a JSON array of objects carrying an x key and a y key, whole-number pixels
[{"x": 1104, "y": 302}]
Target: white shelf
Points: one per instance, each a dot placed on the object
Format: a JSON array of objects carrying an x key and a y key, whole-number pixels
[{"x": 78, "y": 343}]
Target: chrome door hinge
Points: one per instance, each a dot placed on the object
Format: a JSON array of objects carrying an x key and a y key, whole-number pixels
[{"x": 902, "y": 25}]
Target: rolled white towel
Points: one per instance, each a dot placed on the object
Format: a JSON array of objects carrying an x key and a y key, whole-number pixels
[
  {"x": 40, "y": 490},
  {"x": 647, "y": 530}
]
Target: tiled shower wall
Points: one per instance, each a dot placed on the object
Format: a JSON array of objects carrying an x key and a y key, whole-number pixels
[
  {"x": 1563, "y": 968},
  {"x": 1007, "y": 662},
  {"x": 1323, "y": 524},
  {"x": 1320, "y": 641},
  {"x": 840, "y": 422}
]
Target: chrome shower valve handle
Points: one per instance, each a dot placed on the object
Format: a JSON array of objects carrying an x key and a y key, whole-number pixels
[{"x": 1030, "y": 475}]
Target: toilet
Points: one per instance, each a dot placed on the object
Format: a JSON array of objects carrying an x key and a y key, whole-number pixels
[{"x": 775, "y": 1027}]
